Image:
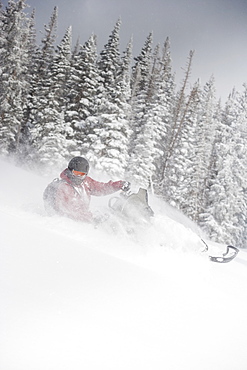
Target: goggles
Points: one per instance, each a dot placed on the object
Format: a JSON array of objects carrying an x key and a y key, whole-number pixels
[{"x": 79, "y": 173}]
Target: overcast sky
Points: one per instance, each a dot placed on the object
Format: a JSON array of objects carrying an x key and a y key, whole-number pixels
[{"x": 215, "y": 29}]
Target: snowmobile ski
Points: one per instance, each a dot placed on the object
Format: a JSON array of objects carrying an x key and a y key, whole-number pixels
[
  {"x": 228, "y": 256},
  {"x": 230, "y": 253}
]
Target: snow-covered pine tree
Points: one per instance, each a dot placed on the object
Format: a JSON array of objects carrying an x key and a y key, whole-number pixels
[
  {"x": 149, "y": 143},
  {"x": 239, "y": 170},
  {"x": 46, "y": 52},
  {"x": 126, "y": 69},
  {"x": 49, "y": 130},
  {"x": 25, "y": 139},
  {"x": 159, "y": 110},
  {"x": 140, "y": 82},
  {"x": 14, "y": 79},
  {"x": 204, "y": 137},
  {"x": 178, "y": 140},
  {"x": 60, "y": 75},
  {"x": 140, "y": 165},
  {"x": 60, "y": 69},
  {"x": 40, "y": 84},
  {"x": 143, "y": 152},
  {"x": 84, "y": 90},
  {"x": 111, "y": 134},
  {"x": 2, "y": 38},
  {"x": 225, "y": 220},
  {"x": 3, "y": 43},
  {"x": 180, "y": 182},
  {"x": 179, "y": 112}
]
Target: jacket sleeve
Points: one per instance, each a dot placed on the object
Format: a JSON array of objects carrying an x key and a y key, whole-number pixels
[
  {"x": 69, "y": 204},
  {"x": 103, "y": 188}
]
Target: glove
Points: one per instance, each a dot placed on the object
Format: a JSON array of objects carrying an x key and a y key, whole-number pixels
[{"x": 126, "y": 186}]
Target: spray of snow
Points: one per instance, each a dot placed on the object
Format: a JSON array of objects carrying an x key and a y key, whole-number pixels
[{"x": 76, "y": 297}]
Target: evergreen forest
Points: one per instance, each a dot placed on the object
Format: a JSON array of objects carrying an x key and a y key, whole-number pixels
[{"x": 126, "y": 115}]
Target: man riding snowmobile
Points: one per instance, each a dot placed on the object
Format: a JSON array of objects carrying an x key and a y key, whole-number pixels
[{"x": 74, "y": 190}]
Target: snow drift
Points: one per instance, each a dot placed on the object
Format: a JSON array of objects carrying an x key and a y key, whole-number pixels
[{"x": 75, "y": 297}]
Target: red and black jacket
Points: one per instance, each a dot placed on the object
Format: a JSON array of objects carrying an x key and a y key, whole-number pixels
[{"x": 73, "y": 200}]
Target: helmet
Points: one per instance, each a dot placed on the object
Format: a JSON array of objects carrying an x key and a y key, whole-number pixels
[{"x": 79, "y": 164}]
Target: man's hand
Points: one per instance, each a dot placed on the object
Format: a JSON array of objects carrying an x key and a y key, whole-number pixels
[{"x": 126, "y": 186}]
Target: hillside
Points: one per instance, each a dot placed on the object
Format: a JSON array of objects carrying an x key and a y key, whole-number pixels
[{"x": 74, "y": 297}]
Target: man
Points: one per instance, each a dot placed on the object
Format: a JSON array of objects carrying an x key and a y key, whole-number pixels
[{"x": 74, "y": 190}]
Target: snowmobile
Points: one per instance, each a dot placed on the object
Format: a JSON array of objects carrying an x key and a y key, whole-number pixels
[{"x": 134, "y": 207}]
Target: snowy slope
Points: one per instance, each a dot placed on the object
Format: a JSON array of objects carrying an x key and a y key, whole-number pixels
[{"x": 74, "y": 297}]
